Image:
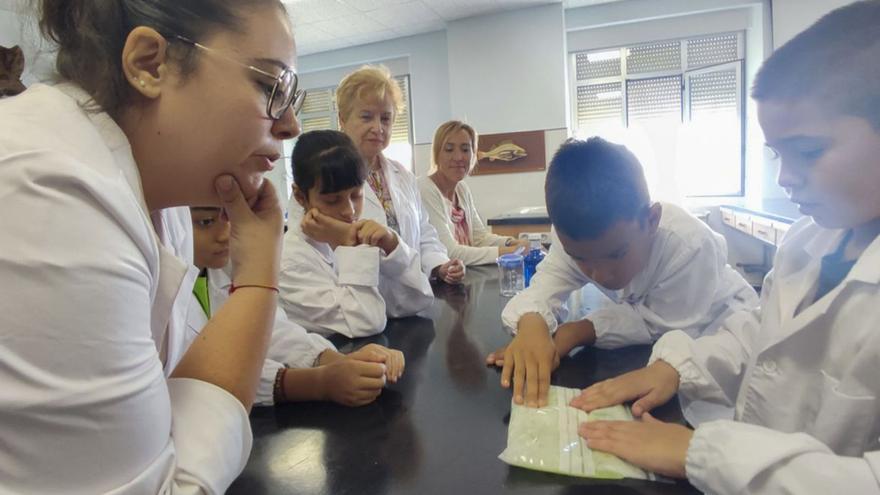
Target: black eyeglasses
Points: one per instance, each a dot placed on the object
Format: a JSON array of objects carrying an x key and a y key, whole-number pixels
[{"x": 284, "y": 94}]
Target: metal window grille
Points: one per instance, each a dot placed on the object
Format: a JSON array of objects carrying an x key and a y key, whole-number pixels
[{"x": 686, "y": 80}]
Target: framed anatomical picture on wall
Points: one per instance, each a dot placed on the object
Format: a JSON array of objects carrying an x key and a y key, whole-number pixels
[{"x": 510, "y": 152}]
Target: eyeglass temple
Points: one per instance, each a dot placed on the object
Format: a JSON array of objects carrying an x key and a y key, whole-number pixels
[{"x": 217, "y": 53}]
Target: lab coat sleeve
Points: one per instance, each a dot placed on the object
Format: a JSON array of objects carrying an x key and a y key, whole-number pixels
[
  {"x": 554, "y": 280},
  {"x": 680, "y": 299},
  {"x": 432, "y": 251},
  {"x": 212, "y": 435},
  {"x": 404, "y": 287},
  {"x": 439, "y": 216},
  {"x": 727, "y": 457},
  {"x": 711, "y": 368},
  {"x": 349, "y": 304},
  {"x": 291, "y": 347}
]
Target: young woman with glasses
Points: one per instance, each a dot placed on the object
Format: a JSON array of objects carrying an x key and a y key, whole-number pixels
[{"x": 161, "y": 104}]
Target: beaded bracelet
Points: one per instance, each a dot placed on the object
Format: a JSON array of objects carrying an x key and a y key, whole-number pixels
[{"x": 278, "y": 393}]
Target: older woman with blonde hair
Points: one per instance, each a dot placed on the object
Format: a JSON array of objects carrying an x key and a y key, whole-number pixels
[
  {"x": 449, "y": 202},
  {"x": 369, "y": 99}
]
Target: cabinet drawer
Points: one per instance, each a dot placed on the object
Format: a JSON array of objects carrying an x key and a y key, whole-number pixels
[
  {"x": 743, "y": 223},
  {"x": 764, "y": 229},
  {"x": 728, "y": 217}
]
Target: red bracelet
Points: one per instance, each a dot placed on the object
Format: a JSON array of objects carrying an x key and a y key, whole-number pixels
[{"x": 233, "y": 287}]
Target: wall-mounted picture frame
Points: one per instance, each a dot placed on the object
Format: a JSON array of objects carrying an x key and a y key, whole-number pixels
[{"x": 510, "y": 152}]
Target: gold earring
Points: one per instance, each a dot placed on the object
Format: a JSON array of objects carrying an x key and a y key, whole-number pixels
[{"x": 142, "y": 83}]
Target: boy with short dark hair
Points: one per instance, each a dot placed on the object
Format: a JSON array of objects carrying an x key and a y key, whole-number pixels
[
  {"x": 802, "y": 373},
  {"x": 663, "y": 268}
]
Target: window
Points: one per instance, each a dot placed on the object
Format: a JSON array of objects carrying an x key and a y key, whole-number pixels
[
  {"x": 682, "y": 99},
  {"x": 320, "y": 112}
]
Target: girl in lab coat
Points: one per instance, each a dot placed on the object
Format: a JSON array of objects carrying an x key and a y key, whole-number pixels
[
  {"x": 803, "y": 371},
  {"x": 341, "y": 273},
  {"x": 300, "y": 365},
  {"x": 139, "y": 124}
]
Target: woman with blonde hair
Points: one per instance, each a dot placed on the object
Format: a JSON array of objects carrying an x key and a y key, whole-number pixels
[
  {"x": 369, "y": 99},
  {"x": 450, "y": 204}
]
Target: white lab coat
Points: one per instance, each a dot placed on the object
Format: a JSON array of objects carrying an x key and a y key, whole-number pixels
[
  {"x": 415, "y": 228},
  {"x": 87, "y": 298},
  {"x": 291, "y": 346},
  {"x": 805, "y": 385},
  {"x": 687, "y": 285},
  {"x": 349, "y": 290},
  {"x": 174, "y": 230},
  {"x": 484, "y": 244}
]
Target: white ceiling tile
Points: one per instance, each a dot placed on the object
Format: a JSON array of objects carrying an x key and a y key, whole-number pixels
[
  {"x": 413, "y": 12},
  {"x": 371, "y": 5},
  {"x": 322, "y": 25},
  {"x": 352, "y": 25},
  {"x": 310, "y": 33},
  {"x": 309, "y": 11}
]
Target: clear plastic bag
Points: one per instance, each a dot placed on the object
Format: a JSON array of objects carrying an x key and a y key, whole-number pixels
[{"x": 546, "y": 439}]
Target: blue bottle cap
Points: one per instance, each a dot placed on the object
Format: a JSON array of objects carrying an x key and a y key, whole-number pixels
[{"x": 510, "y": 260}]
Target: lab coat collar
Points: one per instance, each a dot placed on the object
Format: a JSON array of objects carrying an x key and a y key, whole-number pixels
[
  {"x": 795, "y": 287},
  {"x": 866, "y": 269},
  {"x": 112, "y": 135}
]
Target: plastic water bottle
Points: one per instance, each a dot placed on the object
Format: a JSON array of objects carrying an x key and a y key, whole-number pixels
[
  {"x": 510, "y": 267},
  {"x": 531, "y": 260}
]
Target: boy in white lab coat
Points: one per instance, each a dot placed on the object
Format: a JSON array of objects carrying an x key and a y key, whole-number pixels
[
  {"x": 341, "y": 274},
  {"x": 663, "y": 268},
  {"x": 299, "y": 365},
  {"x": 804, "y": 371}
]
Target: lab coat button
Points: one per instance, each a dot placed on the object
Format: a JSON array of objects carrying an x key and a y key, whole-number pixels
[{"x": 769, "y": 367}]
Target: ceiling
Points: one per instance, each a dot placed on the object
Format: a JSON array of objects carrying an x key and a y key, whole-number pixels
[{"x": 322, "y": 25}]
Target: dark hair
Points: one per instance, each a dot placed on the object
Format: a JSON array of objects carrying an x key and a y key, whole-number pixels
[
  {"x": 593, "y": 184},
  {"x": 835, "y": 62},
  {"x": 91, "y": 34},
  {"x": 328, "y": 157}
]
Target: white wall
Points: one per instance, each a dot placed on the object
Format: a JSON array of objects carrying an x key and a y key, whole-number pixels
[
  {"x": 424, "y": 56},
  {"x": 457, "y": 74},
  {"x": 507, "y": 73},
  {"x": 793, "y": 16}
]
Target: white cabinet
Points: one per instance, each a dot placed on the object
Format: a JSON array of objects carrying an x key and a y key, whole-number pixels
[{"x": 767, "y": 229}]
